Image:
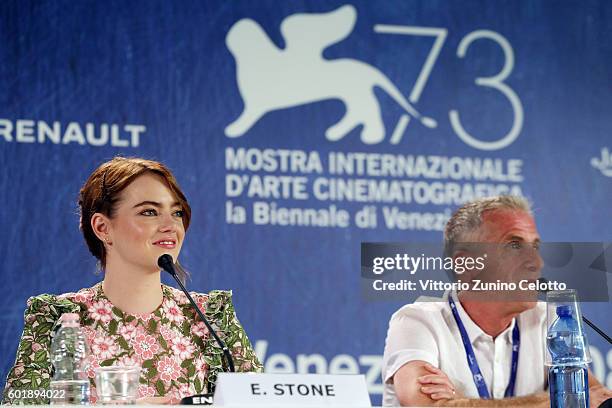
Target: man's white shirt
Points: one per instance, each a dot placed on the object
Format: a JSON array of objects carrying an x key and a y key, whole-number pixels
[{"x": 427, "y": 331}]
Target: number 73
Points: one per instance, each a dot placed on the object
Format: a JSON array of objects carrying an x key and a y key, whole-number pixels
[{"x": 495, "y": 81}]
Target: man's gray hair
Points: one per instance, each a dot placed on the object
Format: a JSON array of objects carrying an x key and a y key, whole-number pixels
[{"x": 468, "y": 218}]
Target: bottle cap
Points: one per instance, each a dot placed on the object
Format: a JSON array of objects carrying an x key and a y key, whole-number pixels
[
  {"x": 69, "y": 320},
  {"x": 564, "y": 311}
]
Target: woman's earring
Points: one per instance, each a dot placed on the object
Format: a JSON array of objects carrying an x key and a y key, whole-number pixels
[{"x": 108, "y": 242}]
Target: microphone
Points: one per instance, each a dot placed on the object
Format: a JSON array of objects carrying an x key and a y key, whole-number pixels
[
  {"x": 542, "y": 288},
  {"x": 167, "y": 264}
]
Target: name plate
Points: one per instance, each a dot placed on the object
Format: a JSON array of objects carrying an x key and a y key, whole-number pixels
[{"x": 303, "y": 390}]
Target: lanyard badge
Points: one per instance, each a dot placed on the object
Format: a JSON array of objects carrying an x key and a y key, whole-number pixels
[{"x": 479, "y": 381}]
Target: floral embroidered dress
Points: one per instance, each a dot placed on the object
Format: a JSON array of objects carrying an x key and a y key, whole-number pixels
[{"x": 172, "y": 345}]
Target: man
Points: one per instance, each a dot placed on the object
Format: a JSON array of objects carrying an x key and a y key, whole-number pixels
[{"x": 461, "y": 351}]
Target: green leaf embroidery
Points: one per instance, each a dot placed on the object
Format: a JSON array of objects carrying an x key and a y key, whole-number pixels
[
  {"x": 186, "y": 328},
  {"x": 152, "y": 327},
  {"x": 152, "y": 372},
  {"x": 112, "y": 327},
  {"x": 43, "y": 328},
  {"x": 108, "y": 362},
  {"x": 118, "y": 312},
  {"x": 148, "y": 363},
  {"x": 163, "y": 343},
  {"x": 159, "y": 386},
  {"x": 198, "y": 341},
  {"x": 191, "y": 370},
  {"x": 123, "y": 343},
  {"x": 40, "y": 357}
]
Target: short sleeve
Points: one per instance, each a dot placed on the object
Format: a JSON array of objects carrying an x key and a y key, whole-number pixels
[
  {"x": 409, "y": 338},
  {"x": 32, "y": 368}
]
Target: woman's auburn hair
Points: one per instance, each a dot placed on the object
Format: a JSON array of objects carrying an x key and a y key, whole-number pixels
[{"x": 101, "y": 192}]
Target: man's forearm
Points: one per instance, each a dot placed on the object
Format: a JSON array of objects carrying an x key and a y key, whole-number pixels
[{"x": 537, "y": 401}]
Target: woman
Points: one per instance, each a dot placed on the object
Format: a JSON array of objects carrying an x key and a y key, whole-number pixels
[{"x": 133, "y": 211}]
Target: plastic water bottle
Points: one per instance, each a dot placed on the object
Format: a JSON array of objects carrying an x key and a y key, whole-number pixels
[
  {"x": 69, "y": 356},
  {"x": 568, "y": 375}
]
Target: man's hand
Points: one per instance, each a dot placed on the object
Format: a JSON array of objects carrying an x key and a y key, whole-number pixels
[
  {"x": 418, "y": 383},
  {"x": 598, "y": 394},
  {"x": 437, "y": 385}
]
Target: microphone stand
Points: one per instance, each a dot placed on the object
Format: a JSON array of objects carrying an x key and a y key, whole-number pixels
[
  {"x": 167, "y": 264},
  {"x": 597, "y": 329}
]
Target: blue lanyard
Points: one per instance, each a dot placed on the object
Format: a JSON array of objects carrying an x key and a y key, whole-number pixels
[{"x": 471, "y": 358}]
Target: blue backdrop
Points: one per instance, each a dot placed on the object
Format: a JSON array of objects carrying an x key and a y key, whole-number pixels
[{"x": 515, "y": 96}]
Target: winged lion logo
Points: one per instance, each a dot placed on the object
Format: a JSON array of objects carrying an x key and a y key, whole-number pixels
[{"x": 270, "y": 78}]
